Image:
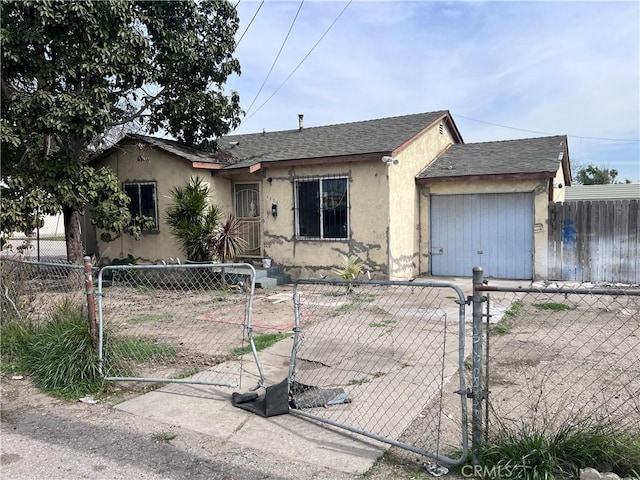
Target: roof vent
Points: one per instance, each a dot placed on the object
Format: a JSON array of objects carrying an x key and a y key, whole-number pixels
[
  {"x": 300, "y": 121},
  {"x": 560, "y": 156}
]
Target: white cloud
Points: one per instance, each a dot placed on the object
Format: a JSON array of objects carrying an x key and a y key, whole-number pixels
[{"x": 557, "y": 67}]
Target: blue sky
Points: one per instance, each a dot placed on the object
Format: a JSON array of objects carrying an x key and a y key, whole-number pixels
[{"x": 537, "y": 67}]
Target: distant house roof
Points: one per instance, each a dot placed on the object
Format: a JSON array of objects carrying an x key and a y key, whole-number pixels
[
  {"x": 381, "y": 136},
  {"x": 528, "y": 157},
  {"x": 618, "y": 191}
]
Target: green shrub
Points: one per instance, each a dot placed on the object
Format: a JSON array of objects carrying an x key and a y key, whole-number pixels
[
  {"x": 16, "y": 338},
  {"x": 534, "y": 452},
  {"x": 62, "y": 358}
]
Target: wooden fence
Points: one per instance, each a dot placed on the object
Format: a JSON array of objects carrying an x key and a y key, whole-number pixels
[{"x": 595, "y": 241}]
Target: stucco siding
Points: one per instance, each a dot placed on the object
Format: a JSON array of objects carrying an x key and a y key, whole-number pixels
[
  {"x": 404, "y": 202},
  {"x": 368, "y": 217},
  {"x": 559, "y": 186},
  {"x": 167, "y": 172}
]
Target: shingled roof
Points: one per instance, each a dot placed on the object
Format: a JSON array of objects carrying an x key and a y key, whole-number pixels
[
  {"x": 533, "y": 157},
  {"x": 383, "y": 136}
]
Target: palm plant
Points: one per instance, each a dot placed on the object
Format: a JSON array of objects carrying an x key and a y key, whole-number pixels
[
  {"x": 193, "y": 221},
  {"x": 351, "y": 268},
  {"x": 229, "y": 242}
]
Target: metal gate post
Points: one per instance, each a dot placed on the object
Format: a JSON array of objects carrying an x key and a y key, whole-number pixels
[{"x": 477, "y": 387}]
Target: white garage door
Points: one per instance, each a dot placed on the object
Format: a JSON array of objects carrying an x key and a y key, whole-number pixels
[{"x": 493, "y": 231}]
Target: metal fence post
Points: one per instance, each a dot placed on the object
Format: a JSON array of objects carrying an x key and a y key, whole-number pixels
[
  {"x": 478, "y": 390},
  {"x": 91, "y": 303}
]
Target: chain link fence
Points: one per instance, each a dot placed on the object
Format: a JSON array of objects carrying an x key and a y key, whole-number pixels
[
  {"x": 175, "y": 323},
  {"x": 562, "y": 356},
  {"x": 383, "y": 359},
  {"x": 31, "y": 290}
]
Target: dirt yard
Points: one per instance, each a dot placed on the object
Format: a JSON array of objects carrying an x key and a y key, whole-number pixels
[{"x": 561, "y": 357}]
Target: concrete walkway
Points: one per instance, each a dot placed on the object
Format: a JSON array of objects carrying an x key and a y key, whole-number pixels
[{"x": 208, "y": 410}]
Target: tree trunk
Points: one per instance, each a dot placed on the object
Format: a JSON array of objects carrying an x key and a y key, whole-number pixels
[{"x": 73, "y": 235}]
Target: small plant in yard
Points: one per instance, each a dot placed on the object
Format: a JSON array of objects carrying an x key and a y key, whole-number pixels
[
  {"x": 554, "y": 307},
  {"x": 505, "y": 324},
  {"x": 163, "y": 437},
  {"x": 261, "y": 342},
  {"x": 61, "y": 357},
  {"x": 534, "y": 451},
  {"x": 350, "y": 269},
  {"x": 383, "y": 323}
]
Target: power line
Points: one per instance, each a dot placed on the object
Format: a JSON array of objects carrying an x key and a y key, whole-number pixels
[
  {"x": 277, "y": 56},
  {"x": 301, "y": 61},
  {"x": 548, "y": 133},
  {"x": 252, "y": 19}
]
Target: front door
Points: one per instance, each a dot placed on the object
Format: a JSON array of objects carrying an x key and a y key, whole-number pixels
[{"x": 247, "y": 208}]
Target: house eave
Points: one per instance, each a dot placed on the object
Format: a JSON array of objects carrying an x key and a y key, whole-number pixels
[
  {"x": 486, "y": 177},
  {"x": 207, "y": 166},
  {"x": 363, "y": 157}
]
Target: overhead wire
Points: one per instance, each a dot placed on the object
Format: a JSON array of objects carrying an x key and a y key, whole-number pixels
[
  {"x": 301, "y": 61},
  {"x": 548, "y": 133},
  {"x": 250, "y": 22},
  {"x": 277, "y": 56}
]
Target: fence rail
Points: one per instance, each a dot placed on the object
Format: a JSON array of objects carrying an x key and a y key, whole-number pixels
[
  {"x": 175, "y": 323},
  {"x": 31, "y": 289},
  {"x": 381, "y": 359},
  {"x": 561, "y": 356}
]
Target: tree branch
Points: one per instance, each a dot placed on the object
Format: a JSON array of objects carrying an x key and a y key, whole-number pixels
[{"x": 141, "y": 110}]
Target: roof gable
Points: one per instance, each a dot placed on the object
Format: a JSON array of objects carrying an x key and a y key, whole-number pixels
[
  {"x": 179, "y": 149},
  {"x": 528, "y": 156}
]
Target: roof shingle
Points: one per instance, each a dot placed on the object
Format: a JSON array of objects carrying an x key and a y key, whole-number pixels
[
  {"x": 522, "y": 156},
  {"x": 371, "y": 136}
]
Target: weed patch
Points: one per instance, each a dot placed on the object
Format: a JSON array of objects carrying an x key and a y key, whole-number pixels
[
  {"x": 261, "y": 342},
  {"x": 505, "y": 324},
  {"x": 554, "y": 307},
  {"x": 539, "y": 452}
]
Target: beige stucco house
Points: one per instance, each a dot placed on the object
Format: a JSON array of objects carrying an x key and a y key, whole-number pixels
[{"x": 404, "y": 194}]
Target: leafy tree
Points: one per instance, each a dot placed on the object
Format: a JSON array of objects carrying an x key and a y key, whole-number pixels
[
  {"x": 74, "y": 70},
  {"x": 592, "y": 175}
]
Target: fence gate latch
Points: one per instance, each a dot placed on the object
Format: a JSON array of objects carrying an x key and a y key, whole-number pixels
[{"x": 468, "y": 392}]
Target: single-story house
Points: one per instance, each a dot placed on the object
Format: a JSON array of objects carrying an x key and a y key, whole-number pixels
[{"x": 404, "y": 194}]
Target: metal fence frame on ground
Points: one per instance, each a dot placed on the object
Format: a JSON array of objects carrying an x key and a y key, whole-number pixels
[
  {"x": 380, "y": 342},
  {"x": 183, "y": 297}
]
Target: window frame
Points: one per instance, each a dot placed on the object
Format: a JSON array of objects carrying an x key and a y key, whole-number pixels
[
  {"x": 319, "y": 179},
  {"x": 140, "y": 184}
]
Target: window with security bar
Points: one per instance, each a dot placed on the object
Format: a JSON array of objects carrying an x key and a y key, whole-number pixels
[
  {"x": 322, "y": 208},
  {"x": 144, "y": 201}
]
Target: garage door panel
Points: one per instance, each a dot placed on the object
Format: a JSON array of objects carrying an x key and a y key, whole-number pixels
[{"x": 494, "y": 231}]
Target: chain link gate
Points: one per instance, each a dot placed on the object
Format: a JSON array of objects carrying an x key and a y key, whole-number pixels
[
  {"x": 385, "y": 360},
  {"x": 556, "y": 358},
  {"x": 175, "y": 323}
]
